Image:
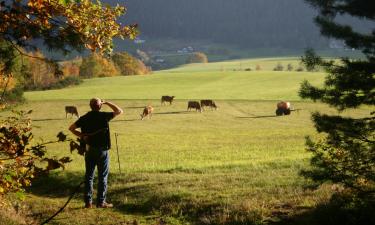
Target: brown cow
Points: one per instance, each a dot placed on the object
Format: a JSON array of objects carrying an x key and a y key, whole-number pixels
[
  {"x": 194, "y": 105},
  {"x": 147, "y": 111},
  {"x": 167, "y": 99},
  {"x": 283, "y": 108},
  {"x": 208, "y": 102},
  {"x": 72, "y": 110}
]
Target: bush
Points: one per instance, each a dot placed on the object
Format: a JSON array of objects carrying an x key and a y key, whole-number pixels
[
  {"x": 70, "y": 69},
  {"x": 14, "y": 95},
  {"x": 299, "y": 69},
  {"x": 128, "y": 65},
  {"x": 23, "y": 158},
  {"x": 197, "y": 57},
  {"x": 278, "y": 67},
  {"x": 289, "y": 67},
  {"x": 97, "y": 66}
]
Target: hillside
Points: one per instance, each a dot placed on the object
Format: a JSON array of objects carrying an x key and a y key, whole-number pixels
[{"x": 224, "y": 80}]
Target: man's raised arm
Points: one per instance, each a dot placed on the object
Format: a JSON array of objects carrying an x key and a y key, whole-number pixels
[{"x": 116, "y": 109}]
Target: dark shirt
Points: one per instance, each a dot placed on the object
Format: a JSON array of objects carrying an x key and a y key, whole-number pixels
[{"x": 95, "y": 125}]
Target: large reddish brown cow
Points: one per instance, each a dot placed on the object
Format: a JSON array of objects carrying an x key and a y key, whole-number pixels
[
  {"x": 72, "y": 110},
  {"x": 194, "y": 105},
  {"x": 283, "y": 108},
  {"x": 147, "y": 111},
  {"x": 167, "y": 98}
]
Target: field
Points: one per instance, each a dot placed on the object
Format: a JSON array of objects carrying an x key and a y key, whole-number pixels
[{"x": 236, "y": 165}]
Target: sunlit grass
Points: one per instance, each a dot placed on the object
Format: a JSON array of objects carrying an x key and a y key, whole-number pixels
[{"x": 237, "y": 165}]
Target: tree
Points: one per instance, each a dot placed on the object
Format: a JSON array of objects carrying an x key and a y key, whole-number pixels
[
  {"x": 346, "y": 153},
  {"x": 59, "y": 25},
  {"x": 128, "y": 65},
  {"x": 96, "y": 65},
  {"x": 310, "y": 60},
  {"x": 197, "y": 57}
]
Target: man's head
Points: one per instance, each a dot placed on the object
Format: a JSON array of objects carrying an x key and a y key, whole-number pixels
[{"x": 95, "y": 104}]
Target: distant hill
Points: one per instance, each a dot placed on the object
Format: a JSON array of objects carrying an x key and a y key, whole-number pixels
[{"x": 245, "y": 23}]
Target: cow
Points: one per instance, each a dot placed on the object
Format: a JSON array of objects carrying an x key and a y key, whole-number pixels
[
  {"x": 72, "y": 110},
  {"x": 283, "y": 108},
  {"x": 194, "y": 105},
  {"x": 209, "y": 103},
  {"x": 147, "y": 111},
  {"x": 167, "y": 98}
]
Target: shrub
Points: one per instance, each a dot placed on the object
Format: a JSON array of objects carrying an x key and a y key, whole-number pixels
[
  {"x": 289, "y": 67},
  {"x": 197, "y": 57},
  {"x": 128, "y": 65},
  {"x": 278, "y": 67},
  {"x": 299, "y": 69},
  {"x": 22, "y": 158},
  {"x": 70, "y": 69},
  {"x": 97, "y": 66}
]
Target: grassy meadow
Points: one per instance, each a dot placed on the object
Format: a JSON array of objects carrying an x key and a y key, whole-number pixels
[{"x": 235, "y": 165}]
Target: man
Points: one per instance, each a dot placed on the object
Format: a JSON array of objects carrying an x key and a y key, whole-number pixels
[{"x": 95, "y": 131}]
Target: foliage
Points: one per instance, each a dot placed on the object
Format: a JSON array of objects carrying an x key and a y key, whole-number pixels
[
  {"x": 70, "y": 69},
  {"x": 197, "y": 57},
  {"x": 12, "y": 72},
  {"x": 22, "y": 159},
  {"x": 60, "y": 83},
  {"x": 60, "y": 25},
  {"x": 278, "y": 67},
  {"x": 299, "y": 69},
  {"x": 128, "y": 65},
  {"x": 96, "y": 65},
  {"x": 289, "y": 67},
  {"x": 310, "y": 60},
  {"x": 346, "y": 154}
]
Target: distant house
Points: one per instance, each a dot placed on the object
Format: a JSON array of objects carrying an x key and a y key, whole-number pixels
[
  {"x": 336, "y": 44},
  {"x": 139, "y": 41},
  {"x": 159, "y": 60}
]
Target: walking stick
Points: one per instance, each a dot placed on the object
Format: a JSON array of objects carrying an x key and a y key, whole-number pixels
[{"x": 118, "y": 156}]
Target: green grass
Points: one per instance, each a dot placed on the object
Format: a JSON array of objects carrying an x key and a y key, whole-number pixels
[
  {"x": 194, "y": 82},
  {"x": 236, "y": 165}
]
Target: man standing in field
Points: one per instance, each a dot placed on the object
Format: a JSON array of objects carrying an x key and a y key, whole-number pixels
[{"x": 95, "y": 131}]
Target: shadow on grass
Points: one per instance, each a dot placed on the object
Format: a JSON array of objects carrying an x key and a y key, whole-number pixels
[
  {"x": 338, "y": 210},
  {"x": 56, "y": 184},
  {"x": 255, "y": 117},
  {"x": 129, "y": 120},
  {"x": 175, "y": 112},
  {"x": 137, "y": 194},
  {"x": 49, "y": 119}
]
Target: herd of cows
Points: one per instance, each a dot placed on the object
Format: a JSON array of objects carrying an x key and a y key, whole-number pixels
[
  {"x": 282, "y": 108},
  {"x": 148, "y": 110}
]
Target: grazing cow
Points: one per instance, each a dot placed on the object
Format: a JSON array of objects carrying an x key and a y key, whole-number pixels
[
  {"x": 194, "y": 105},
  {"x": 72, "y": 110},
  {"x": 209, "y": 103},
  {"x": 147, "y": 111},
  {"x": 283, "y": 108},
  {"x": 167, "y": 99}
]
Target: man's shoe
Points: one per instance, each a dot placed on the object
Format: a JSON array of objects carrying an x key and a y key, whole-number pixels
[
  {"x": 104, "y": 205},
  {"x": 88, "y": 205}
]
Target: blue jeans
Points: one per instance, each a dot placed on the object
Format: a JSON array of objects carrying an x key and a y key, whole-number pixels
[{"x": 96, "y": 157}]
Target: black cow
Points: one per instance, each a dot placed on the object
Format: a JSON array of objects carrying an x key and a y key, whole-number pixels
[
  {"x": 209, "y": 103},
  {"x": 194, "y": 105},
  {"x": 167, "y": 98}
]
